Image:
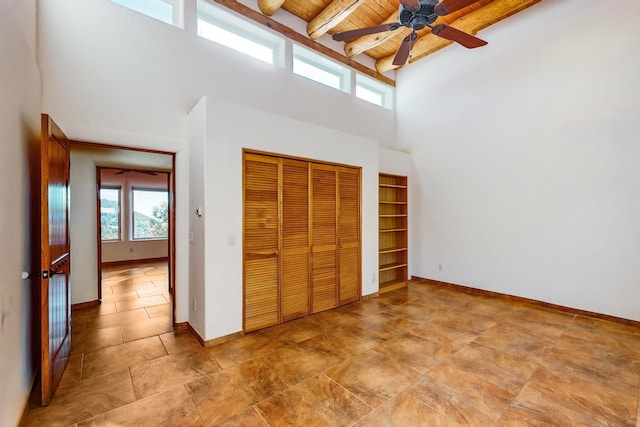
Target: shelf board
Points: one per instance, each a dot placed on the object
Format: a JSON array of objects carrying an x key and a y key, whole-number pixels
[
  {"x": 391, "y": 230},
  {"x": 393, "y": 186},
  {"x": 389, "y": 202},
  {"x": 391, "y": 250},
  {"x": 392, "y": 266},
  {"x": 393, "y": 216},
  {"x": 391, "y": 285}
]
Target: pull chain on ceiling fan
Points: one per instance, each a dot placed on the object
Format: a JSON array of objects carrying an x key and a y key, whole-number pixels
[{"x": 415, "y": 15}]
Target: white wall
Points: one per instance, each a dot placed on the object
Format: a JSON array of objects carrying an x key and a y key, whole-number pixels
[
  {"x": 525, "y": 157},
  {"x": 111, "y": 75},
  {"x": 83, "y": 224},
  {"x": 197, "y": 183},
  {"x": 227, "y": 133},
  {"x": 20, "y": 129}
]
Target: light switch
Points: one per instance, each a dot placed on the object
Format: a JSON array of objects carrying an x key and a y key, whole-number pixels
[{"x": 191, "y": 237}]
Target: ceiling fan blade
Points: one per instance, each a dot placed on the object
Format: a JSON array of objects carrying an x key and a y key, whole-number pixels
[
  {"x": 352, "y": 34},
  {"x": 450, "y": 33},
  {"x": 120, "y": 172},
  {"x": 405, "y": 49},
  {"x": 413, "y": 5},
  {"x": 446, "y": 7}
]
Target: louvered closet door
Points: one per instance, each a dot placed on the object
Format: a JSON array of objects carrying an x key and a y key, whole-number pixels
[
  {"x": 261, "y": 224},
  {"x": 323, "y": 238},
  {"x": 349, "y": 235},
  {"x": 295, "y": 240}
]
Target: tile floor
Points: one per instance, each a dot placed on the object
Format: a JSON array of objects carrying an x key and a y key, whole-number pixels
[{"x": 421, "y": 356}]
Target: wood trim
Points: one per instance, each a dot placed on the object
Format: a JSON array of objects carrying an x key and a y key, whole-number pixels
[
  {"x": 134, "y": 262},
  {"x": 180, "y": 326},
  {"x": 250, "y": 151},
  {"x": 538, "y": 303},
  {"x": 370, "y": 296},
  {"x": 99, "y": 229},
  {"x": 118, "y": 147},
  {"x": 85, "y": 305},
  {"x": 302, "y": 39},
  {"x": 171, "y": 250},
  {"x": 215, "y": 341}
]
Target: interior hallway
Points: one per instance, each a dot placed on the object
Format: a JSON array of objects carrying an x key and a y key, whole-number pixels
[{"x": 424, "y": 355}]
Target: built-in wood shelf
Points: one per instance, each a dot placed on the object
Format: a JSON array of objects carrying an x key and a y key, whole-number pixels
[
  {"x": 392, "y": 266},
  {"x": 392, "y": 250},
  {"x": 392, "y": 186},
  {"x": 393, "y": 233},
  {"x": 392, "y": 285}
]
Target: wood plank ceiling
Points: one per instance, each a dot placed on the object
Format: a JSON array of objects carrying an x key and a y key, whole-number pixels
[{"x": 335, "y": 16}]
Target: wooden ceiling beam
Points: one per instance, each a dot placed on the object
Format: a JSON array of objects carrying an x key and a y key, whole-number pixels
[
  {"x": 470, "y": 23},
  {"x": 269, "y": 7},
  {"x": 370, "y": 41},
  {"x": 331, "y": 16}
]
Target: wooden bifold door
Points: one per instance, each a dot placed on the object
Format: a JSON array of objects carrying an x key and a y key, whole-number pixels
[{"x": 301, "y": 238}]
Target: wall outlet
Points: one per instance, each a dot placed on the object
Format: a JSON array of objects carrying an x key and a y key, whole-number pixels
[
  {"x": 440, "y": 267},
  {"x": 130, "y": 250},
  {"x": 373, "y": 278},
  {"x": 195, "y": 305}
]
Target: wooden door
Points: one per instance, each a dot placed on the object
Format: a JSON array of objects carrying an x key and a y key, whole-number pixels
[
  {"x": 349, "y": 235},
  {"x": 261, "y": 239},
  {"x": 295, "y": 245},
  {"x": 324, "y": 281},
  {"x": 55, "y": 295}
]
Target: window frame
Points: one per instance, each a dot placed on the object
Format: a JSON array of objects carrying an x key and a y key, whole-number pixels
[
  {"x": 323, "y": 64},
  {"x": 133, "y": 213},
  {"x": 228, "y": 22},
  {"x": 386, "y": 92},
  {"x": 177, "y": 11},
  {"x": 119, "y": 216}
]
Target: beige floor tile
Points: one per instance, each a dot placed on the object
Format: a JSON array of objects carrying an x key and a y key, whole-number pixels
[
  {"x": 465, "y": 398},
  {"x": 295, "y": 363},
  {"x": 317, "y": 401},
  {"x": 248, "y": 347},
  {"x": 506, "y": 370},
  {"x": 381, "y": 326},
  {"x": 231, "y": 391},
  {"x": 373, "y": 377},
  {"x": 573, "y": 397},
  {"x": 164, "y": 310},
  {"x": 342, "y": 342},
  {"x": 404, "y": 410},
  {"x": 180, "y": 341},
  {"x": 171, "y": 408},
  {"x": 246, "y": 418},
  {"x": 84, "y": 400},
  {"x": 146, "y": 328},
  {"x": 425, "y": 355},
  {"x": 166, "y": 372},
  {"x": 116, "y": 319},
  {"x": 95, "y": 339},
  {"x": 112, "y": 359},
  {"x": 414, "y": 352},
  {"x": 132, "y": 304}
]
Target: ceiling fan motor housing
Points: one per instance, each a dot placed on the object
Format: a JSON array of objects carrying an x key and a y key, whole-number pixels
[{"x": 419, "y": 19}]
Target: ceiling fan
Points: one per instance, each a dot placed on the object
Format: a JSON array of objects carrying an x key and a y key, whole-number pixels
[{"x": 417, "y": 14}]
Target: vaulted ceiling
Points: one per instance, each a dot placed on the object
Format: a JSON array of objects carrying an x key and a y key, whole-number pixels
[{"x": 337, "y": 16}]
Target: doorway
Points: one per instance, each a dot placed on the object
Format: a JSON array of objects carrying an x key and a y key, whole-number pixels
[{"x": 137, "y": 263}]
